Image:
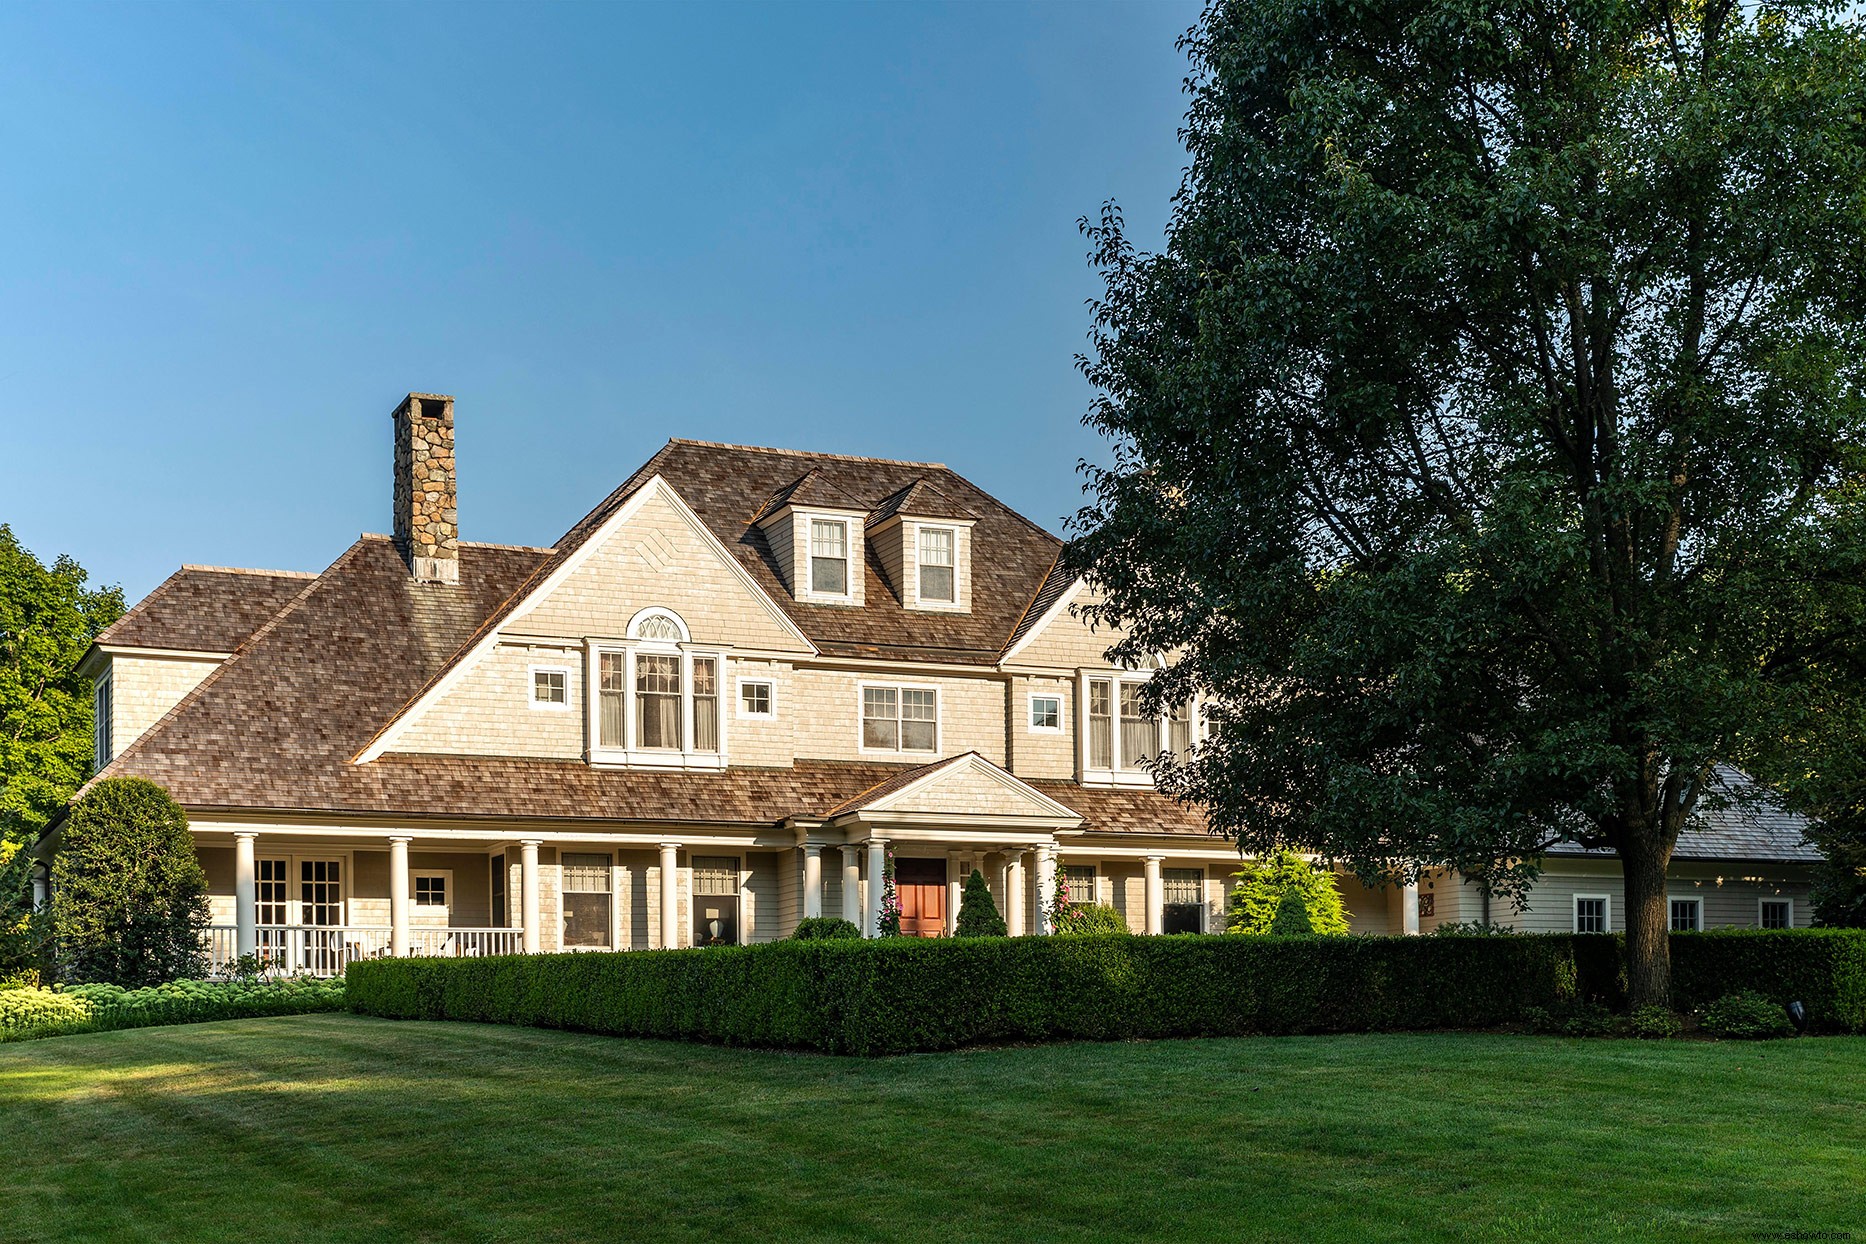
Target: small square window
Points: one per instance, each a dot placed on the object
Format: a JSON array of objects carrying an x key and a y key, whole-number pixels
[
  {"x": 1590, "y": 914},
  {"x": 550, "y": 687},
  {"x": 1776, "y": 913},
  {"x": 1079, "y": 883},
  {"x": 1687, "y": 915},
  {"x": 1046, "y": 712},
  {"x": 755, "y": 699},
  {"x": 430, "y": 890}
]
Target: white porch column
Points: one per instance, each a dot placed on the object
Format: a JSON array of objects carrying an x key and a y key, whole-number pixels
[
  {"x": 877, "y": 867},
  {"x": 528, "y": 893},
  {"x": 1409, "y": 907},
  {"x": 1156, "y": 895},
  {"x": 245, "y": 895},
  {"x": 398, "y": 897},
  {"x": 1046, "y": 884},
  {"x": 955, "y": 886},
  {"x": 670, "y": 895},
  {"x": 852, "y": 885},
  {"x": 812, "y": 880},
  {"x": 1016, "y": 895}
]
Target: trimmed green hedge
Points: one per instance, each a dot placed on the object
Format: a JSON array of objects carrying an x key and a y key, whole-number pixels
[
  {"x": 900, "y": 995},
  {"x": 26, "y": 1014}
]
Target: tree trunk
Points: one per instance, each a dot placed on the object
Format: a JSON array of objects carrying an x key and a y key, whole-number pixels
[{"x": 1648, "y": 924}]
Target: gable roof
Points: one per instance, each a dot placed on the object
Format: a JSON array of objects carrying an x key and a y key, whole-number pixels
[
  {"x": 903, "y": 789},
  {"x": 205, "y": 609},
  {"x": 811, "y": 488},
  {"x": 920, "y": 500}
]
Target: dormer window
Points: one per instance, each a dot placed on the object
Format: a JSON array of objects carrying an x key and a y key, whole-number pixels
[
  {"x": 829, "y": 556},
  {"x": 936, "y": 565},
  {"x": 657, "y": 700}
]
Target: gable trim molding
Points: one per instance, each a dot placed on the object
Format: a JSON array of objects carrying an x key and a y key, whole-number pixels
[
  {"x": 1050, "y": 615},
  {"x": 653, "y": 487}
]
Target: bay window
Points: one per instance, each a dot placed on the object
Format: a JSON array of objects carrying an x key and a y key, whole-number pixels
[{"x": 1120, "y": 738}]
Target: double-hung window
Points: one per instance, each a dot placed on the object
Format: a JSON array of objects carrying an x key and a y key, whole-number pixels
[
  {"x": 1121, "y": 738},
  {"x": 657, "y": 699},
  {"x": 829, "y": 556},
  {"x": 900, "y": 719},
  {"x": 1590, "y": 914},
  {"x": 1183, "y": 909},
  {"x": 936, "y": 565},
  {"x": 587, "y": 900},
  {"x": 1775, "y": 913},
  {"x": 1687, "y": 915},
  {"x": 715, "y": 900}
]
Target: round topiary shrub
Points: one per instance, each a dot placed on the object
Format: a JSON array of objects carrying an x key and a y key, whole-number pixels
[
  {"x": 129, "y": 899},
  {"x": 825, "y": 928},
  {"x": 1746, "y": 1015},
  {"x": 978, "y": 911}
]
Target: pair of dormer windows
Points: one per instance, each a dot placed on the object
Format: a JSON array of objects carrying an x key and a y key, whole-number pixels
[{"x": 829, "y": 561}]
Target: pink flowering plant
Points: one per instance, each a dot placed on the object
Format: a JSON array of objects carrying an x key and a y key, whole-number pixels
[{"x": 890, "y": 923}]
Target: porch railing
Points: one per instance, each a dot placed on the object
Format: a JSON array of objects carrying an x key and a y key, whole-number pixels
[{"x": 326, "y": 950}]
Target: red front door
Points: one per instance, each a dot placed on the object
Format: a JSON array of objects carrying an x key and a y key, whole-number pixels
[{"x": 922, "y": 886}]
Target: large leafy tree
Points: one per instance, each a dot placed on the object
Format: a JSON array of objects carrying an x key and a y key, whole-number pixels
[
  {"x": 48, "y": 617},
  {"x": 1490, "y": 424}
]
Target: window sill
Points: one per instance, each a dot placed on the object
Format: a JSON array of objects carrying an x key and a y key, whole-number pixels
[
  {"x": 1117, "y": 777},
  {"x": 621, "y": 758}
]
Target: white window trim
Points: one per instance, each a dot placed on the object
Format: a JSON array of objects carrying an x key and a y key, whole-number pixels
[
  {"x": 939, "y": 719},
  {"x": 1030, "y": 712},
  {"x": 1775, "y": 898},
  {"x": 447, "y": 880},
  {"x": 1684, "y": 898},
  {"x": 920, "y": 597},
  {"x": 531, "y": 687},
  {"x": 850, "y": 564},
  {"x": 1118, "y": 775},
  {"x": 770, "y": 685},
  {"x": 630, "y": 754},
  {"x": 103, "y": 721},
  {"x": 294, "y": 887},
  {"x": 1606, "y": 912},
  {"x": 615, "y": 903}
]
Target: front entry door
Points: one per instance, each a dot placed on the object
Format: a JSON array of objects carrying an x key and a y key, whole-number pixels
[{"x": 922, "y": 885}]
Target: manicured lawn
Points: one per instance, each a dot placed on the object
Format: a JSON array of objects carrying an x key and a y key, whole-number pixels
[{"x": 334, "y": 1127}]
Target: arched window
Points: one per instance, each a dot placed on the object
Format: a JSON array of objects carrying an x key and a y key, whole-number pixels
[{"x": 658, "y": 698}]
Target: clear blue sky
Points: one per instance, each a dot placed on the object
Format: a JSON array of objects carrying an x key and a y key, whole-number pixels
[{"x": 234, "y": 236}]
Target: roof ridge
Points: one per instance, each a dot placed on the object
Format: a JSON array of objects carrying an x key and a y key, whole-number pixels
[
  {"x": 804, "y": 453},
  {"x": 276, "y": 574}
]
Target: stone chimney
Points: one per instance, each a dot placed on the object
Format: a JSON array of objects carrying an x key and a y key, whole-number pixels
[{"x": 427, "y": 522}]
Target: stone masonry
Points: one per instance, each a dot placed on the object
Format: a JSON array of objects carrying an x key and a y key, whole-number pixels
[{"x": 427, "y": 517}]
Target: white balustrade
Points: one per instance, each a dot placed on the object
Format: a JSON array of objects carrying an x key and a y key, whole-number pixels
[{"x": 326, "y": 950}]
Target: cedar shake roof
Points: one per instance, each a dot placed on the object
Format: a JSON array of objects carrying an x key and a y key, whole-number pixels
[
  {"x": 730, "y": 487},
  {"x": 1058, "y": 581},
  {"x": 920, "y": 500},
  {"x": 206, "y": 609},
  {"x": 811, "y": 488}
]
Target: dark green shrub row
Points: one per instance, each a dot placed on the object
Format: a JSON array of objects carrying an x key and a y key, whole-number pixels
[
  {"x": 900, "y": 995},
  {"x": 29, "y": 1013},
  {"x": 1823, "y": 968}
]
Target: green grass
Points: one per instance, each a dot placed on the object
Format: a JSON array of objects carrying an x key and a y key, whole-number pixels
[{"x": 334, "y": 1127}]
